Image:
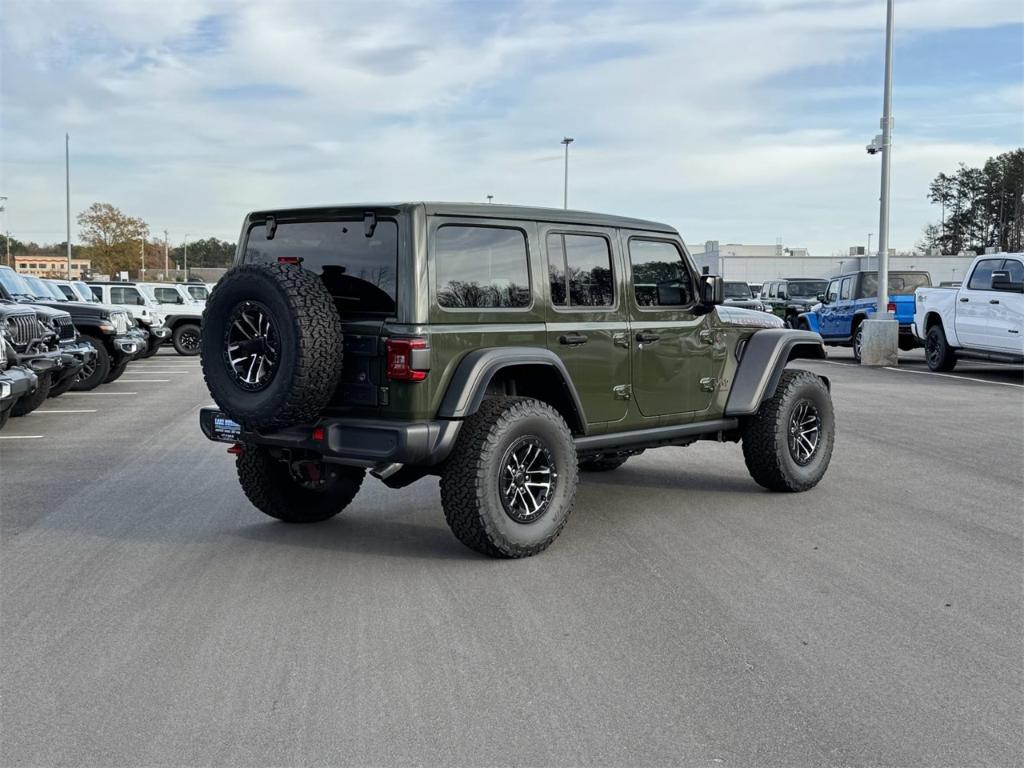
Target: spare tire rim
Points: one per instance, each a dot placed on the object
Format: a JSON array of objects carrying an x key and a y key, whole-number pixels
[
  {"x": 804, "y": 432},
  {"x": 527, "y": 480},
  {"x": 251, "y": 347}
]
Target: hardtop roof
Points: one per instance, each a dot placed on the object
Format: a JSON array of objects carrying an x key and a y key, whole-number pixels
[{"x": 484, "y": 210}]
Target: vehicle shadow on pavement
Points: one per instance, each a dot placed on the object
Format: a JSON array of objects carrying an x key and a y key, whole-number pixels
[
  {"x": 671, "y": 478},
  {"x": 363, "y": 536}
]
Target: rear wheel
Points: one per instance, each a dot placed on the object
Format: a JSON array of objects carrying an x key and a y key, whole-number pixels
[
  {"x": 509, "y": 484},
  {"x": 296, "y": 489},
  {"x": 858, "y": 340},
  {"x": 95, "y": 371},
  {"x": 186, "y": 339},
  {"x": 28, "y": 403},
  {"x": 787, "y": 444},
  {"x": 271, "y": 345},
  {"x": 937, "y": 352}
]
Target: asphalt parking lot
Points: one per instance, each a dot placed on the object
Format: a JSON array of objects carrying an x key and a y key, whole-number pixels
[{"x": 150, "y": 616}]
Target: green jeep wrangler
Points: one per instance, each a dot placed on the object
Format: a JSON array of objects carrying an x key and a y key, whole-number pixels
[{"x": 501, "y": 348}]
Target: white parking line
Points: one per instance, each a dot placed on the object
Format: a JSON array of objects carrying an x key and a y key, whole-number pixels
[
  {"x": 21, "y": 437},
  {"x": 954, "y": 376},
  {"x": 141, "y": 381},
  {"x": 84, "y": 410},
  {"x": 111, "y": 394}
]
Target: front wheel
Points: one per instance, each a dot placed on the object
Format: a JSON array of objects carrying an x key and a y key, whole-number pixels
[
  {"x": 296, "y": 489},
  {"x": 937, "y": 352},
  {"x": 509, "y": 484},
  {"x": 95, "y": 371},
  {"x": 186, "y": 339},
  {"x": 787, "y": 444},
  {"x": 28, "y": 403},
  {"x": 116, "y": 371},
  {"x": 858, "y": 340}
]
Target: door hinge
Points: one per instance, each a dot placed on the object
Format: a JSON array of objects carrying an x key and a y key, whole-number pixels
[
  {"x": 708, "y": 384},
  {"x": 708, "y": 336},
  {"x": 623, "y": 391},
  {"x": 620, "y": 340}
]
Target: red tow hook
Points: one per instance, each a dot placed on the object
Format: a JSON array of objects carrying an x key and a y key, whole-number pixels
[{"x": 237, "y": 449}]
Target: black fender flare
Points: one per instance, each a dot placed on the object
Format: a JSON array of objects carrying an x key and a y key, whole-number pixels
[
  {"x": 468, "y": 386},
  {"x": 764, "y": 359}
]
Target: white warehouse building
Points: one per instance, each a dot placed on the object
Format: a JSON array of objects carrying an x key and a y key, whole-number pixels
[{"x": 761, "y": 263}]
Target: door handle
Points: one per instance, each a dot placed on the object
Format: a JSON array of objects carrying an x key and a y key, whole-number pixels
[
  {"x": 647, "y": 338},
  {"x": 572, "y": 339},
  {"x": 993, "y": 301},
  {"x": 965, "y": 299}
]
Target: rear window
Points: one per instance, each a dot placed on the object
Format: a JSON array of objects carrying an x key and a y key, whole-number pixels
[
  {"x": 805, "y": 289},
  {"x": 900, "y": 283},
  {"x": 737, "y": 291},
  {"x": 360, "y": 272},
  {"x": 481, "y": 268}
]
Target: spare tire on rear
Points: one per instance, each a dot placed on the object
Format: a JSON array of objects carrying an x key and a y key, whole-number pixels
[{"x": 271, "y": 346}]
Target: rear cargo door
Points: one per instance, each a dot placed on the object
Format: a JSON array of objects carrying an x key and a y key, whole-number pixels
[{"x": 356, "y": 257}]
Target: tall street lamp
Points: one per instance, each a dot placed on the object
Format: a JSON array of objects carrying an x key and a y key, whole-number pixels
[
  {"x": 186, "y": 257},
  {"x": 565, "y": 193}
]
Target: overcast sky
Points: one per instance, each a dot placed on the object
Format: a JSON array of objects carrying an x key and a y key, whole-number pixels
[{"x": 738, "y": 120}]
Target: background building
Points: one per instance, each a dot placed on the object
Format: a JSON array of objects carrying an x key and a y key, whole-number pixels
[
  {"x": 51, "y": 266},
  {"x": 760, "y": 263}
]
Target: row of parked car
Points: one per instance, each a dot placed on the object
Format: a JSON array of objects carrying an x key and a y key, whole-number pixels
[
  {"x": 982, "y": 319},
  {"x": 61, "y": 335}
]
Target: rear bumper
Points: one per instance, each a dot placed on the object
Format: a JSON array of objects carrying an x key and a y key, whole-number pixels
[{"x": 356, "y": 442}]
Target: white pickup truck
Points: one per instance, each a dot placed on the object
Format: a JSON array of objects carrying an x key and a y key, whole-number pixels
[{"x": 983, "y": 319}]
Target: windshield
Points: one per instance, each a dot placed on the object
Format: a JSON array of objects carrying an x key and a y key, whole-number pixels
[
  {"x": 37, "y": 288},
  {"x": 737, "y": 291},
  {"x": 54, "y": 290},
  {"x": 805, "y": 289},
  {"x": 84, "y": 294},
  {"x": 14, "y": 283},
  {"x": 198, "y": 292},
  {"x": 900, "y": 283},
  {"x": 163, "y": 294}
]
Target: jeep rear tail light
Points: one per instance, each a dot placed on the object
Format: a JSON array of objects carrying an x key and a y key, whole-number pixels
[
  {"x": 408, "y": 359},
  {"x": 891, "y": 307}
]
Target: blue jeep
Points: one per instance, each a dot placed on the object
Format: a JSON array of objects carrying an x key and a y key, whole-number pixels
[{"x": 851, "y": 298}]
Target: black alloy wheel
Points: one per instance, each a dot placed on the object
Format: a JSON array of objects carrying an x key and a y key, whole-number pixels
[{"x": 251, "y": 345}]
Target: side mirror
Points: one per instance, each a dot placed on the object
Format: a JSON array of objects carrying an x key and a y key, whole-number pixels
[
  {"x": 712, "y": 290},
  {"x": 822, "y": 298}
]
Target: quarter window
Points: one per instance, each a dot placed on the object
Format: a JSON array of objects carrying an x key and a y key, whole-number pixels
[
  {"x": 981, "y": 278},
  {"x": 580, "y": 271},
  {"x": 481, "y": 268},
  {"x": 660, "y": 278}
]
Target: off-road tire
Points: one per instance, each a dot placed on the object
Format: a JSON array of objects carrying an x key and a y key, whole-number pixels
[
  {"x": 116, "y": 371},
  {"x": 28, "y": 403},
  {"x": 4, "y": 416},
  {"x": 63, "y": 387},
  {"x": 181, "y": 345},
  {"x": 857, "y": 341},
  {"x": 310, "y": 336},
  {"x": 766, "y": 435},
  {"x": 937, "y": 352},
  {"x": 603, "y": 463},
  {"x": 152, "y": 347},
  {"x": 101, "y": 367},
  {"x": 470, "y": 480},
  {"x": 270, "y": 487}
]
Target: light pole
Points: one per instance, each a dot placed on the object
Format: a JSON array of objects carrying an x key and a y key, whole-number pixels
[
  {"x": 879, "y": 342},
  {"x": 67, "y": 192},
  {"x": 490, "y": 198},
  {"x": 186, "y": 257},
  {"x": 166, "y": 263},
  {"x": 565, "y": 194},
  {"x": 7, "y": 230},
  {"x": 869, "y": 243},
  {"x": 142, "y": 255}
]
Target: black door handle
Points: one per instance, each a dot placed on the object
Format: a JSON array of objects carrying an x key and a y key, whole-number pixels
[
  {"x": 993, "y": 301},
  {"x": 965, "y": 299},
  {"x": 647, "y": 338},
  {"x": 572, "y": 339}
]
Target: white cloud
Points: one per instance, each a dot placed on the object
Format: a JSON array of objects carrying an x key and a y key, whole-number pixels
[{"x": 190, "y": 113}]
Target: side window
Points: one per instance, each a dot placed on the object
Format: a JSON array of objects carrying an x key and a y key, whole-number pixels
[
  {"x": 781, "y": 290},
  {"x": 660, "y": 278},
  {"x": 97, "y": 292},
  {"x": 846, "y": 292},
  {"x": 981, "y": 278},
  {"x": 580, "y": 271},
  {"x": 481, "y": 267},
  {"x": 771, "y": 290},
  {"x": 122, "y": 295},
  {"x": 168, "y": 296},
  {"x": 832, "y": 294}
]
